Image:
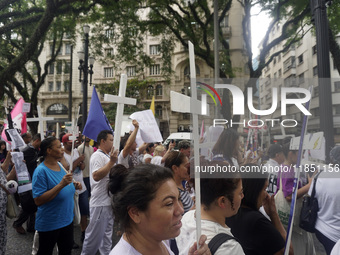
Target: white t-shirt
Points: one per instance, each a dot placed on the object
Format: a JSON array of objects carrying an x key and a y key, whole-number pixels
[
  {"x": 327, "y": 193},
  {"x": 125, "y": 161},
  {"x": 87, "y": 152},
  {"x": 77, "y": 173},
  {"x": 187, "y": 236},
  {"x": 99, "y": 193},
  {"x": 146, "y": 155},
  {"x": 123, "y": 247},
  {"x": 157, "y": 160},
  {"x": 336, "y": 249}
]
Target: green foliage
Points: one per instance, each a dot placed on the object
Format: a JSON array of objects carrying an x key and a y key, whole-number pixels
[{"x": 170, "y": 20}]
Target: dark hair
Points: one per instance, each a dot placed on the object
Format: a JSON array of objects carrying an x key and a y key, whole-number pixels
[
  {"x": 103, "y": 135},
  {"x": 5, "y": 150},
  {"x": 174, "y": 158},
  {"x": 135, "y": 187},
  {"x": 286, "y": 149},
  {"x": 24, "y": 135},
  {"x": 226, "y": 143},
  {"x": 213, "y": 188},
  {"x": 36, "y": 137},
  {"x": 184, "y": 144},
  {"x": 45, "y": 144},
  {"x": 150, "y": 145},
  {"x": 274, "y": 149},
  {"x": 252, "y": 187},
  {"x": 123, "y": 141}
]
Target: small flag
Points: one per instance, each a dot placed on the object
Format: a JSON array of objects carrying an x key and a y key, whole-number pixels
[
  {"x": 152, "y": 106},
  {"x": 96, "y": 120}
]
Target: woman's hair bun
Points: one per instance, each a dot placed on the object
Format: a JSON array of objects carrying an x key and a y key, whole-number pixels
[{"x": 118, "y": 174}]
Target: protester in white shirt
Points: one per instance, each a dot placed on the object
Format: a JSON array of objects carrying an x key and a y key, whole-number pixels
[
  {"x": 77, "y": 169},
  {"x": 98, "y": 234},
  {"x": 161, "y": 154},
  {"x": 130, "y": 149},
  {"x": 327, "y": 192},
  {"x": 146, "y": 203},
  {"x": 273, "y": 166}
]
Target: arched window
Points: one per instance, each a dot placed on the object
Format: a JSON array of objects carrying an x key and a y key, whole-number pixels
[
  {"x": 159, "y": 111},
  {"x": 57, "y": 109},
  {"x": 187, "y": 71},
  {"x": 150, "y": 91},
  {"x": 159, "y": 90}
]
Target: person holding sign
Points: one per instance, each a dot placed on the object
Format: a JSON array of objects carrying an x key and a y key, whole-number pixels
[
  {"x": 146, "y": 203},
  {"x": 130, "y": 148},
  {"x": 53, "y": 191}
]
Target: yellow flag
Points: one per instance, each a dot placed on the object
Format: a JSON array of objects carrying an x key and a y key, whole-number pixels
[{"x": 152, "y": 106}]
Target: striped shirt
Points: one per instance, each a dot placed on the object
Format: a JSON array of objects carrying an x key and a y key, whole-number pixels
[{"x": 186, "y": 200}]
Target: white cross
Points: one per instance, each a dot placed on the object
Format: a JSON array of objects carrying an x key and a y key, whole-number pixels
[
  {"x": 121, "y": 100},
  {"x": 75, "y": 132},
  {"x": 182, "y": 103},
  {"x": 41, "y": 120}
]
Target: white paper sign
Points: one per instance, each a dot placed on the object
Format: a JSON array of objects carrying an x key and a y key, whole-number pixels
[
  {"x": 148, "y": 127},
  {"x": 22, "y": 172},
  {"x": 26, "y": 107},
  {"x": 17, "y": 141}
]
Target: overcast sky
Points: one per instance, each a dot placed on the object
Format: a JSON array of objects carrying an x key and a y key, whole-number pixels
[{"x": 259, "y": 25}]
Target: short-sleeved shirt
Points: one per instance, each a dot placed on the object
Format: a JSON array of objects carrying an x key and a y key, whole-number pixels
[
  {"x": 77, "y": 172},
  {"x": 127, "y": 161},
  {"x": 99, "y": 193},
  {"x": 186, "y": 200},
  {"x": 123, "y": 247},
  {"x": 187, "y": 237},
  {"x": 58, "y": 212},
  {"x": 255, "y": 232},
  {"x": 87, "y": 152},
  {"x": 157, "y": 160}
]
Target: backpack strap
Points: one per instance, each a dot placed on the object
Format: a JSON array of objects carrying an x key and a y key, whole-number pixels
[{"x": 217, "y": 241}]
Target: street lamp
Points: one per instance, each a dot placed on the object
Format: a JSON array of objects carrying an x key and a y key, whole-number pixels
[{"x": 84, "y": 61}]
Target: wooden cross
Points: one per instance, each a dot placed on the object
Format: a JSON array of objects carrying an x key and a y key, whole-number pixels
[
  {"x": 121, "y": 100},
  {"x": 41, "y": 120}
]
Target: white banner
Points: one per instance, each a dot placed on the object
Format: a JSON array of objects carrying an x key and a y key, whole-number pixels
[{"x": 148, "y": 127}]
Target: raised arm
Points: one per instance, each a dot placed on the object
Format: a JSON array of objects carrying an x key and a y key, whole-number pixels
[{"x": 131, "y": 139}]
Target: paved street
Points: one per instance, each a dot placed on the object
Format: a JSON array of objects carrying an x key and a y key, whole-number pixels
[{"x": 22, "y": 244}]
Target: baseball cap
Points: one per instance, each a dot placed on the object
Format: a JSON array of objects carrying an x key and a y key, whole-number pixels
[{"x": 65, "y": 138}]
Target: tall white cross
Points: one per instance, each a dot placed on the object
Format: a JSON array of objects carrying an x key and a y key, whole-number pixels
[
  {"x": 182, "y": 103},
  {"x": 75, "y": 132},
  {"x": 41, "y": 120},
  {"x": 121, "y": 100}
]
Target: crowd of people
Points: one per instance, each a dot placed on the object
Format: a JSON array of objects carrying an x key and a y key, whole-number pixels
[{"x": 148, "y": 190}]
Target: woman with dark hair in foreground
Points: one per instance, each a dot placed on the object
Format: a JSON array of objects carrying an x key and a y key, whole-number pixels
[{"x": 146, "y": 203}]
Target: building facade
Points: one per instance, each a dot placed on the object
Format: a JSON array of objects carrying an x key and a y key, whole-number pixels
[
  {"x": 64, "y": 74},
  {"x": 297, "y": 67}
]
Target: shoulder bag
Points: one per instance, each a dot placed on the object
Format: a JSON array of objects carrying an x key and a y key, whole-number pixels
[{"x": 309, "y": 210}]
